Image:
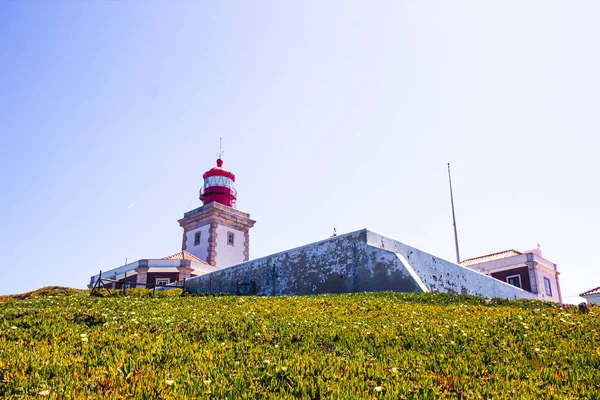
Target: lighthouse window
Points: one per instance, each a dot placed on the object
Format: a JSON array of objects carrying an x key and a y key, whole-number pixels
[
  {"x": 218, "y": 181},
  {"x": 230, "y": 238},
  {"x": 197, "y": 238}
]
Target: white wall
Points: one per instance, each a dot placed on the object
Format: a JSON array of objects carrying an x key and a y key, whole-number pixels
[
  {"x": 595, "y": 298},
  {"x": 540, "y": 275},
  {"x": 156, "y": 263},
  {"x": 201, "y": 250},
  {"x": 110, "y": 274},
  {"x": 228, "y": 255}
]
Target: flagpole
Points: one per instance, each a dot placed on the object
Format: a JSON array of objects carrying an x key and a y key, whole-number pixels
[{"x": 453, "y": 217}]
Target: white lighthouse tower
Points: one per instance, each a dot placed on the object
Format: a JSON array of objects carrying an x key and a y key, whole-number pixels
[{"x": 217, "y": 232}]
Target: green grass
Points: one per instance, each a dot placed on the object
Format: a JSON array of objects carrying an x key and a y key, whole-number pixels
[{"x": 376, "y": 345}]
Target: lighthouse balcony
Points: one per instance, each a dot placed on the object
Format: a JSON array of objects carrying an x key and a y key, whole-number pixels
[
  {"x": 206, "y": 190},
  {"x": 220, "y": 194}
]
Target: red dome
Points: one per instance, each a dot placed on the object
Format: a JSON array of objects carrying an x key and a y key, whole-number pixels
[{"x": 219, "y": 171}]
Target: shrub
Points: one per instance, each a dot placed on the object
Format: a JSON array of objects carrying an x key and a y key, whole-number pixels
[{"x": 89, "y": 318}]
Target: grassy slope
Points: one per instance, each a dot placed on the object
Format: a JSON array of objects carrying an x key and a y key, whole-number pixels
[
  {"x": 43, "y": 292},
  {"x": 331, "y": 346}
]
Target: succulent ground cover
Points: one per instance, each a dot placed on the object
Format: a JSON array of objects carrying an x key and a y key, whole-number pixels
[{"x": 369, "y": 345}]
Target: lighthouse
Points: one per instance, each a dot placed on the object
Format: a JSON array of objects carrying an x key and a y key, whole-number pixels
[{"x": 217, "y": 232}]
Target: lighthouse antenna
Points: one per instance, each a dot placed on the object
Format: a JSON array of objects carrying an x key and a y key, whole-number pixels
[{"x": 221, "y": 148}]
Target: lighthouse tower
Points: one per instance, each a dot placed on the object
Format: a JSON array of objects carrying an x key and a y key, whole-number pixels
[{"x": 217, "y": 232}]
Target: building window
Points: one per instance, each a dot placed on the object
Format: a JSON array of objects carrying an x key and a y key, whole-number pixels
[
  {"x": 514, "y": 280},
  {"x": 162, "y": 282},
  {"x": 197, "y": 238},
  {"x": 230, "y": 238},
  {"x": 125, "y": 286},
  {"x": 548, "y": 286}
]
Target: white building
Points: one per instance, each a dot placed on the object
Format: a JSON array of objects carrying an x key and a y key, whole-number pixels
[{"x": 527, "y": 270}]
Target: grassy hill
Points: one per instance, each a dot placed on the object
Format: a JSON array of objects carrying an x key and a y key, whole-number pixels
[
  {"x": 375, "y": 345},
  {"x": 45, "y": 291}
]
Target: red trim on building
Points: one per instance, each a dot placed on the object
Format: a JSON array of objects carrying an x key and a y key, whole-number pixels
[
  {"x": 523, "y": 273},
  {"x": 153, "y": 276}
]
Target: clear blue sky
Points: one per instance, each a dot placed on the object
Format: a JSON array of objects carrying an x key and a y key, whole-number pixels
[{"x": 334, "y": 114}]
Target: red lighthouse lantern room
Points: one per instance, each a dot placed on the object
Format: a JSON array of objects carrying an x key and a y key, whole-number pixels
[{"x": 218, "y": 186}]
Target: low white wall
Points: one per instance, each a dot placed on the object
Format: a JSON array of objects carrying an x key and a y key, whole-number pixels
[
  {"x": 115, "y": 271},
  {"x": 444, "y": 276}
]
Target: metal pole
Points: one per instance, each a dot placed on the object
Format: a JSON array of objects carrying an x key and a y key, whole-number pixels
[{"x": 453, "y": 217}]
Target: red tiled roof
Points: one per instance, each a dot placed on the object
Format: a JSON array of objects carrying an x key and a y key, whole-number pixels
[
  {"x": 184, "y": 255},
  {"x": 490, "y": 257},
  {"x": 591, "y": 292}
]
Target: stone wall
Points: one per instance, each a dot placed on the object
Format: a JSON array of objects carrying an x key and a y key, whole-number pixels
[{"x": 361, "y": 261}]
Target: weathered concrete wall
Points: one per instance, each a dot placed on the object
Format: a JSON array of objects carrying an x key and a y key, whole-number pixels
[
  {"x": 360, "y": 261},
  {"x": 443, "y": 276}
]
